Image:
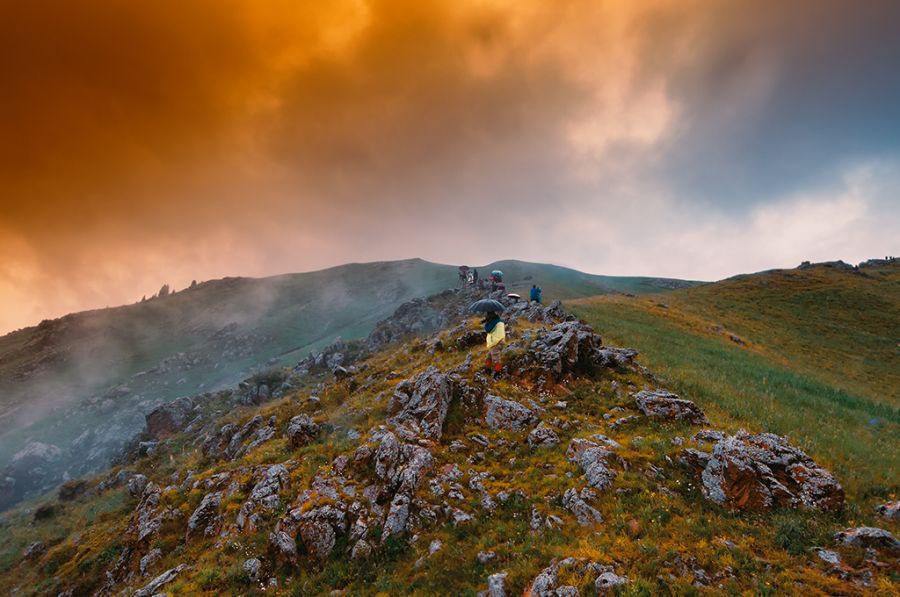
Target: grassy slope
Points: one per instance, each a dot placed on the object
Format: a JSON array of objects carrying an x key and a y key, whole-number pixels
[
  {"x": 819, "y": 364},
  {"x": 646, "y": 531}
]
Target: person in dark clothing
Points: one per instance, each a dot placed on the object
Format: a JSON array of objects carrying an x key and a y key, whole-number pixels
[
  {"x": 536, "y": 293},
  {"x": 496, "y": 334},
  {"x": 474, "y": 277}
]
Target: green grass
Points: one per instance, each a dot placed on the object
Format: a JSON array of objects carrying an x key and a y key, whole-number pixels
[{"x": 820, "y": 375}]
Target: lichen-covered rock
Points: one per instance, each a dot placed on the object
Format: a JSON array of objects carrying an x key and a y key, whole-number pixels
[
  {"x": 753, "y": 472},
  {"x": 397, "y": 518},
  {"x": 584, "y": 513},
  {"x": 252, "y": 568},
  {"x": 420, "y": 405},
  {"x": 542, "y": 436},
  {"x": 206, "y": 519},
  {"x": 148, "y": 561},
  {"x": 169, "y": 418},
  {"x": 869, "y": 538},
  {"x": 668, "y": 406},
  {"x": 319, "y": 528},
  {"x": 136, "y": 485},
  {"x": 506, "y": 414},
  {"x": 302, "y": 431},
  {"x": 608, "y": 581},
  {"x": 283, "y": 548},
  {"x": 594, "y": 460},
  {"x": 497, "y": 584},
  {"x": 145, "y": 522},
  {"x": 35, "y": 550}
]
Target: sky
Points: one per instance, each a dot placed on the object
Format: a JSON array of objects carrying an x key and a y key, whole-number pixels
[{"x": 166, "y": 141}]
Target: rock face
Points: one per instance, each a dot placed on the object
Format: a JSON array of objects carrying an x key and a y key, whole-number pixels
[
  {"x": 754, "y": 472},
  {"x": 869, "y": 538},
  {"x": 169, "y": 418},
  {"x": 420, "y": 405},
  {"x": 506, "y": 414},
  {"x": 594, "y": 460},
  {"x": 668, "y": 406},
  {"x": 414, "y": 317},
  {"x": 302, "y": 431}
]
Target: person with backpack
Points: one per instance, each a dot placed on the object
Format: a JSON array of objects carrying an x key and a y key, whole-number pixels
[
  {"x": 496, "y": 334},
  {"x": 536, "y": 293}
]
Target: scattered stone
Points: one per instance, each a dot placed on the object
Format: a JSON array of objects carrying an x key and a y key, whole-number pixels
[
  {"x": 594, "y": 461},
  {"x": 584, "y": 513},
  {"x": 708, "y": 435},
  {"x": 608, "y": 581},
  {"x": 362, "y": 549},
  {"x": 435, "y": 546},
  {"x": 420, "y": 405},
  {"x": 283, "y": 547},
  {"x": 485, "y": 557},
  {"x": 752, "y": 472},
  {"x": 205, "y": 518},
  {"x": 661, "y": 404},
  {"x": 497, "y": 584},
  {"x": 35, "y": 550}
]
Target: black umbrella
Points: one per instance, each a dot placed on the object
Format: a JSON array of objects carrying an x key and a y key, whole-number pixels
[{"x": 486, "y": 306}]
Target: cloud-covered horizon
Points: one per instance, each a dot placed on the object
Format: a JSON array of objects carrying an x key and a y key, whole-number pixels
[{"x": 171, "y": 141}]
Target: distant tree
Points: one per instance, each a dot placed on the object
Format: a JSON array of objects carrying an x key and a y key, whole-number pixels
[{"x": 164, "y": 291}]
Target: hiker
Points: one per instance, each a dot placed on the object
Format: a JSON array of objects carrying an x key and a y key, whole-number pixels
[
  {"x": 463, "y": 275},
  {"x": 536, "y": 293},
  {"x": 475, "y": 276},
  {"x": 496, "y": 334}
]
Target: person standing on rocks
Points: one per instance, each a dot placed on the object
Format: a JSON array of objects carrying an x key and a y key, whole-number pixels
[
  {"x": 475, "y": 277},
  {"x": 536, "y": 293},
  {"x": 496, "y": 334}
]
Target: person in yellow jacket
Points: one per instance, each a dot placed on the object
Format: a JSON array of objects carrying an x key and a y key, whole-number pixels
[{"x": 496, "y": 334}]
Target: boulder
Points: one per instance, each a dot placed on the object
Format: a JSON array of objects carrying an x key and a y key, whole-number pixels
[
  {"x": 506, "y": 414},
  {"x": 136, "y": 485},
  {"x": 319, "y": 528},
  {"x": 754, "y": 472},
  {"x": 542, "y": 436},
  {"x": 263, "y": 497},
  {"x": 148, "y": 561},
  {"x": 252, "y": 568},
  {"x": 283, "y": 548},
  {"x": 584, "y": 513},
  {"x": 397, "y": 518},
  {"x": 420, "y": 405},
  {"x": 205, "y": 519},
  {"x": 169, "y": 418},
  {"x": 668, "y": 406},
  {"x": 608, "y": 581},
  {"x": 302, "y": 431},
  {"x": 869, "y": 538},
  {"x": 594, "y": 459},
  {"x": 497, "y": 585}
]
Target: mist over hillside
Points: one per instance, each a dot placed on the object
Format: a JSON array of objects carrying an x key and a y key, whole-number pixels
[{"x": 74, "y": 389}]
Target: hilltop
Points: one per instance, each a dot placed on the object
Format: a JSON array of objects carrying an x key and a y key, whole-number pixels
[
  {"x": 811, "y": 352},
  {"x": 397, "y": 465},
  {"x": 75, "y": 389}
]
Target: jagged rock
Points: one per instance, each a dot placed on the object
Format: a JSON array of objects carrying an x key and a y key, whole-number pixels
[
  {"x": 283, "y": 547},
  {"x": 708, "y": 435},
  {"x": 169, "y": 418},
  {"x": 506, "y": 414},
  {"x": 435, "y": 546},
  {"x": 542, "y": 436},
  {"x": 397, "y": 518},
  {"x": 319, "y": 528},
  {"x": 147, "y": 562},
  {"x": 420, "y": 405},
  {"x": 497, "y": 584},
  {"x": 302, "y": 431},
  {"x": 869, "y": 538},
  {"x": 145, "y": 522},
  {"x": 136, "y": 485},
  {"x": 666, "y": 405},
  {"x": 413, "y": 317},
  {"x": 252, "y": 568},
  {"x": 160, "y": 581},
  {"x": 35, "y": 550},
  {"x": 584, "y": 513},
  {"x": 460, "y": 517},
  {"x": 890, "y": 510},
  {"x": 594, "y": 461},
  {"x": 544, "y": 584},
  {"x": 608, "y": 581},
  {"x": 469, "y": 339},
  {"x": 750, "y": 472},
  {"x": 205, "y": 518}
]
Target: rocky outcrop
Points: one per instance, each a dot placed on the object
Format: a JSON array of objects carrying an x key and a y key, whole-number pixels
[
  {"x": 506, "y": 414},
  {"x": 546, "y": 584},
  {"x": 667, "y": 406},
  {"x": 302, "y": 431},
  {"x": 417, "y": 316},
  {"x": 205, "y": 520},
  {"x": 145, "y": 522},
  {"x": 594, "y": 459},
  {"x": 169, "y": 418},
  {"x": 869, "y": 538},
  {"x": 231, "y": 442},
  {"x": 754, "y": 472},
  {"x": 420, "y": 405},
  {"x": 542, "y": 436},
  {"x": 263, "y": 498},
  {"x": 889, "y": 510},
  {"x": 160, "y": 581},
  {"x": 568, "y": 348},
  {"x": 584, "y": 513}
]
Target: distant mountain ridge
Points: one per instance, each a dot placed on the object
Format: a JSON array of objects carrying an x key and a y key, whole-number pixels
[{"x": 61, "y": 377}]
